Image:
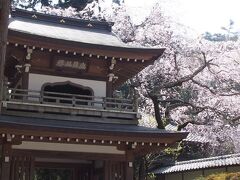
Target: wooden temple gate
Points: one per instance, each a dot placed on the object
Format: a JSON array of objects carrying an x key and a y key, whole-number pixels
[
  {"x": 23, "y": 164},
  {"x": 23, "y": 167},
  {"x": 90, "y": 127}
]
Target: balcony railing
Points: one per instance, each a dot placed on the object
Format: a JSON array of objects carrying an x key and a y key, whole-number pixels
[{"x": 62, "y": 103}]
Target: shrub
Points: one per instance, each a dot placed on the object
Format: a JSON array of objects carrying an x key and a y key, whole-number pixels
[{"x": 221, "y": 176}]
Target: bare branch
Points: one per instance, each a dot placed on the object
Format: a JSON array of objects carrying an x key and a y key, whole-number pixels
[
  {"x": 212, "y": 91},
  {"x": 190, "y": 76},
  {"x": 203, "y": 86},
  {"x": 176, "y": 103},
  {"x": 175, "y": 63}
]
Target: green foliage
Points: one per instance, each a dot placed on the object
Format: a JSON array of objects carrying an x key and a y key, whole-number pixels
[
  {"x": 221, "y": 176},
  {"x": 200, "y": 178},
  {"x": 187, "y": 94},
  {"x": 220, "y": 37},
  {"x": 175, "y": 152},
  {"x": 119, "y": 2},
  {"x": 151, "y": 176},
  {"x": 193, "y": 150},
  {"x": 228, "y": 35},
  {"x": 124, "y": 91},
  {"x": 165, "y": 121}
]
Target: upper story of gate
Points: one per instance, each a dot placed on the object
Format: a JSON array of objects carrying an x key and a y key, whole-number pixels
[{"x": 64, "y": 68}]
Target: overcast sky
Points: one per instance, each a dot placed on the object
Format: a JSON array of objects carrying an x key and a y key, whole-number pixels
[{"x": 201, "y": 15}]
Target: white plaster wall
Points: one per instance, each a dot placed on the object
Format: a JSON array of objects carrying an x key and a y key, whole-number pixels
[
  {"x": 37, "y": 80},
  {"x": 44, "y": 146}
]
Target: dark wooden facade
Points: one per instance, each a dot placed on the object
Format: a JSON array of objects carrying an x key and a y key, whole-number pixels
[
  {"x": 4, "y": 14},
  {"x": 58, "y": 109}
]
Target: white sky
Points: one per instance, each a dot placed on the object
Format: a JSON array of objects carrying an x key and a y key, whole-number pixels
[{"x": 201, "y": 15}]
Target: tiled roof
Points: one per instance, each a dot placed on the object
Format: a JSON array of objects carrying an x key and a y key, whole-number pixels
[
  {"x": 64, "y": 32},
  {"x": 80, "y": 35},
  {"x": 85, "y": 126},
  {"x": 191, "y": 137},
  {"x": 218, "y": 161},
  {"x": 171, "y": 127},
  {"x": 195, "y": 138}
]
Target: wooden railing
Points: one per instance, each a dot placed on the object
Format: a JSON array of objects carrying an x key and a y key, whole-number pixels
[{"x": 69, "y": 100}]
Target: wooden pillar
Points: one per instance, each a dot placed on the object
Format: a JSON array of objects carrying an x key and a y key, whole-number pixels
[
  {"x": 109, "y": 89},
  {"x": 135, "y": 100},
  {"x": 129, "y": 165},
  {"x": 4, "y": 15},
  {"x": 25, "y": 80},
  {"x": 26, "y": 68},
  {"x": 32, "y": 168},
  {"x": 106, "y": 170},
  {"x": 6, "y": 160}
]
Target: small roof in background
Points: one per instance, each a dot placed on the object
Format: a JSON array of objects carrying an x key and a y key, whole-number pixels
[
  {"x": 191, "y": 137},
  {"x": 218, "y": 161},
  {"x": 196, "y": 138}
]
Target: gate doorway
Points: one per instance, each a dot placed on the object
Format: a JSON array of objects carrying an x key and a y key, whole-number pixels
[
  {"x": 57, "y": 171},
  {"x": 53, "y": 174}
]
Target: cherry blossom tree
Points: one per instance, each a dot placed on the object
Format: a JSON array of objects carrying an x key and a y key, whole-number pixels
[{"x": 195, "y": 85}]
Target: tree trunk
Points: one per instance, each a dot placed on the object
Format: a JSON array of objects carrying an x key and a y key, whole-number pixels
[
  {"x": 157, "y": 112},
  {"x": 4, "y": 15}
]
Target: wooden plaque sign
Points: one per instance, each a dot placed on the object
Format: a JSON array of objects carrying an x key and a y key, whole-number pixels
[{"x": 70, "y": 64}]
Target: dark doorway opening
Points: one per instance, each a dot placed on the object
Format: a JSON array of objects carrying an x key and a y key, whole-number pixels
[
  {"x": 53, "y": 174},
  {"x": 64, "y": 171},
  {"x": 67, "y": 92}
]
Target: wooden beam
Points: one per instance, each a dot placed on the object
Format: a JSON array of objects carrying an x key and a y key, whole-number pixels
[
  {"x": 67, "y": 155},
  {"x": 81, "y": 134},
  {"x": 62, "y": 45},
  {"x": 4, "y": 15}
]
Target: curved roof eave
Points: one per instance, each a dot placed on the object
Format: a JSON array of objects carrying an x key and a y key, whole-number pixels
[{"x": 92, "y": 38}]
